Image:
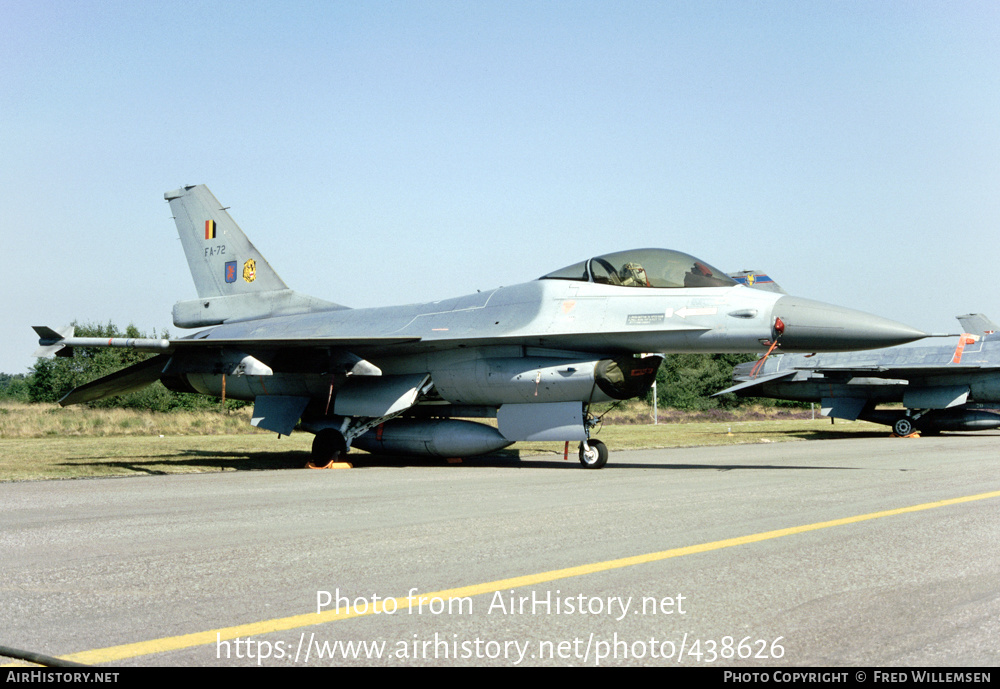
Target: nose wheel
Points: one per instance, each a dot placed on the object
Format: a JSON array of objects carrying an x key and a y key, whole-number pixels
[{"x": 593, "y": 454}]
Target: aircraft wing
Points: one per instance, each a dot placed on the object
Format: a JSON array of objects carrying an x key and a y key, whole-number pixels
[
  {"x": 757, "y": 381},
  {"x": 138, "y": 376},
  {"x": 52, "y": 341},
  {"x": 902, "y": 372},
  {"x": 289, "y": 342},
  {"x": 872, "y": 371}
]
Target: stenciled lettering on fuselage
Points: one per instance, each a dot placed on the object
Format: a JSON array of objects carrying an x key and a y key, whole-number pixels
[{"x": 644, "y": 318}]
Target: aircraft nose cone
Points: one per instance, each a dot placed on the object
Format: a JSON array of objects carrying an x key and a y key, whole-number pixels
[{"x": 812, "y": 326}]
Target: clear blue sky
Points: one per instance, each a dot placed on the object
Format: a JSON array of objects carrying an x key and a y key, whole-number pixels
[{"x": 394, "y": 152}]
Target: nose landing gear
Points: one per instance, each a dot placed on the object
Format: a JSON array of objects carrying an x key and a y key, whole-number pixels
[{"x": 593, "y": 454}]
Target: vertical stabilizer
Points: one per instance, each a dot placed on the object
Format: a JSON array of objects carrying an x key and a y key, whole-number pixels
[
  {"x": 977, "y": 324},
  {"x": 234, "y": 282},
  {"x": 222, "y": 260}
]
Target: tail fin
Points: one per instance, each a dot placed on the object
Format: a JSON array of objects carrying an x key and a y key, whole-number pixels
[
  {"x": 234, "y": 282},
  {"x": 977, "y": 324},
  {"x": 221, "y": 258},
  {"x": 758, "y": 280}
]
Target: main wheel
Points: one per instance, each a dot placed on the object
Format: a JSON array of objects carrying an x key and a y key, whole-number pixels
[
  {"x": 593, "y": 454},
  {"x": 903, "y": 427},
  {"x": 327, "y": 446}
]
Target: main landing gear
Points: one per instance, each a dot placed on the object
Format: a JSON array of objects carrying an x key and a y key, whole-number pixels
[
  {"x": 327, "y": 447},
  {"x": 593, "y": 454},
  {"x": 906, "y": 426},
  {"x": 903, "y": 427}
]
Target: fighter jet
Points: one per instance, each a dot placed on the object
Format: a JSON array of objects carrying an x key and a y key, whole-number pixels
[
  {"x": 405, "y": 379},
  {"x": 941, "y": 387}
]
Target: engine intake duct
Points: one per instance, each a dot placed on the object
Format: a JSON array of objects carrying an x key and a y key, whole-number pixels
[{"x": 626, "y": 377}]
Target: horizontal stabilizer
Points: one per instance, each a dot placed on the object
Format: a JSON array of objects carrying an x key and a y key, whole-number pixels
[
  {"x": 127, "y": 380},
  {"x": 757, "y": 381}
]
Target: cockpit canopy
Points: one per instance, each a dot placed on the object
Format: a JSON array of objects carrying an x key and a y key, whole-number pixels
[{"x": 645, "y": 268}]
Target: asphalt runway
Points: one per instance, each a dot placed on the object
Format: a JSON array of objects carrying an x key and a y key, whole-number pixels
[{"x": 227, "y": 569}]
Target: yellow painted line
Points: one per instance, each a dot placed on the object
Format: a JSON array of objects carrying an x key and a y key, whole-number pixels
[{"x": 174, "y": 643}]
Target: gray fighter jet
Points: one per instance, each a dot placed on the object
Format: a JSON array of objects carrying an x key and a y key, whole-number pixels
[
  {"x": 405, "y": 379},
  {"x": 942, "y": 388}
]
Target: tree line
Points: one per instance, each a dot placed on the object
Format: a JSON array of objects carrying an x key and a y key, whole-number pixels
[{"x": 684, "y": 381}]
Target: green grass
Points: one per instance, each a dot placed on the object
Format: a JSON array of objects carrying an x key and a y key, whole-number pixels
[
  {"x": 43, "y": 442},
  {"x": 83, "y": 457},
  {"x": 19, "y": 421}
]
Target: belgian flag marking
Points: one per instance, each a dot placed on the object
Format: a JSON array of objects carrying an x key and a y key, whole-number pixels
[{"x": 209, "y": 229}]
